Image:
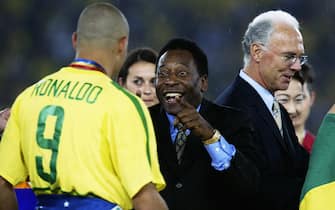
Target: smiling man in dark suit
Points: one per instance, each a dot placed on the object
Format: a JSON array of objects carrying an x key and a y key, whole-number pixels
[
  {"x": 273, "y": 52},
  {"x": 213, "y": 166}
]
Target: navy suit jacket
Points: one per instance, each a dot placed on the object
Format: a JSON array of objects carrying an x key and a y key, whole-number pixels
[
  {"x": 195, "y": 184},
  {"x": 286, "y": 162}
]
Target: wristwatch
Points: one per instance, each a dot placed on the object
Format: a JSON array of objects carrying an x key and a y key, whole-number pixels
[{"x": 216, "y": 137}]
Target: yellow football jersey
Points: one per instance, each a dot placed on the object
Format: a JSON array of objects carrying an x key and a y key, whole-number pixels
[{"x": 76, "y": 131}]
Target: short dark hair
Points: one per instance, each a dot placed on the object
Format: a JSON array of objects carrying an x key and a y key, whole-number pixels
[
  {"x": 198, "y": 54},
  {"x": 145, "y": 54},
  {"x": 305, "y": 75}
]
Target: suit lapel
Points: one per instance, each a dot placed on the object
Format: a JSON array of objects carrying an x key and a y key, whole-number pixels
[
  {"x": 271, "y": 125},
  {"x": 166, "y": 147},
  {"x": 255, "y": 102},
  {"x": 287, "y": 136},
  {"x": 193, "y": 143}
]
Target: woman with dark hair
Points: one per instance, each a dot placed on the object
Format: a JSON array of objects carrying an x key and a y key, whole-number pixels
[
  {"x": 298, "y": 100},
  {"x": 138, "y": 74}
]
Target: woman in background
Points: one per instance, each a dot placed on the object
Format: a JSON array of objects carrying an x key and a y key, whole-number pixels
[
  {"x": 138, "y": 74},
  {"x": 298, "y": 99}
]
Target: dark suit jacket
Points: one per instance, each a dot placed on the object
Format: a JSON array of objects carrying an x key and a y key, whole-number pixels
[
  {"x": 286, "y": 161},
  {"x": 195, "y": 184}
]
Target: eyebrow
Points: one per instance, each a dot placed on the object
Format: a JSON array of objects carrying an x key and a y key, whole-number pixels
[
  {"x": 138, "y": 77},
  {"x": 283, "y": 94}
]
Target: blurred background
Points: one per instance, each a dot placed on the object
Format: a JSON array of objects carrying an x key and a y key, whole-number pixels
[{"x": 36, "y": 38}]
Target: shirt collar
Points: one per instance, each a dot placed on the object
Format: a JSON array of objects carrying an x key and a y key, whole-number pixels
[{"x": 266, "y": 96}]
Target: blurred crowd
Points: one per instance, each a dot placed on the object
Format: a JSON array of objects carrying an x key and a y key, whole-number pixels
[{"x": 36, "y": 41}]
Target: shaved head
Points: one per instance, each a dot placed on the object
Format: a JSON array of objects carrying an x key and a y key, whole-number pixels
[{"x": 100, "y": 24}]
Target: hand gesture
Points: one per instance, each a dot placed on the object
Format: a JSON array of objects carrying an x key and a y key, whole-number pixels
[{"x": 190, "y": 119}]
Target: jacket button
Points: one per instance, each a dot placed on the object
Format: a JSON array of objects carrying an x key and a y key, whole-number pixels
[{"x": 179, "y": 185}]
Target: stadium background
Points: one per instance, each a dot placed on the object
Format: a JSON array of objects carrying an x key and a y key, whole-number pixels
[{"x": 36, "y": 37}]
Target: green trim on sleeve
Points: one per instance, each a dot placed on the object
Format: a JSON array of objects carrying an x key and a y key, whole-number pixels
[{"x": 140, "y": 112}]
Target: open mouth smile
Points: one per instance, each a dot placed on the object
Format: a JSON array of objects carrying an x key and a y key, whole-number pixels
[{"x": 172, "y": 97}]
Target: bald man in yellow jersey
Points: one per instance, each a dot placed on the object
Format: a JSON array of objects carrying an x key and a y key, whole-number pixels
[{"x": 84, "y": 142}]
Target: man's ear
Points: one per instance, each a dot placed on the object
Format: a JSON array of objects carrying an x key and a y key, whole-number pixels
[
  {"x": 74, "y": 40},
  {"x": 120, "y": 81},
  {"x": 122, "y": 45},
  {"x": 204, "y": 83},
  {"x": 256, "y": 52}
]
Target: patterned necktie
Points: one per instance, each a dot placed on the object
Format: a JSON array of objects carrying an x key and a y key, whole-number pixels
[
  {"x": 180, "y": 141},
  {"x": 277, "y": 116}
]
